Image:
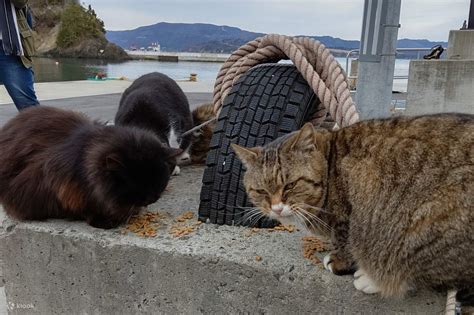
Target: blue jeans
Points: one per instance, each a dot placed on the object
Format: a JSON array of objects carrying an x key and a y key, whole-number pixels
[{"x": 18, "y": 81}]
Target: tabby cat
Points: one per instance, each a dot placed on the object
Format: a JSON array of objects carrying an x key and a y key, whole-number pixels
[
  {"x": 395, "y": 196},
  {"x": 60, "y": 164}
]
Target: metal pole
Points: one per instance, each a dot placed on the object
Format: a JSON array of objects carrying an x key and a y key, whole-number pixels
[
  {"x": 470, "y": 24},
  {"x": 377, "y": 57}
]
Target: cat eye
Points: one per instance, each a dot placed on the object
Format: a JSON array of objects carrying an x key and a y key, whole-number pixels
[
  {"x": 290, "y": 186},
  {"x": 259, "y": 191}
]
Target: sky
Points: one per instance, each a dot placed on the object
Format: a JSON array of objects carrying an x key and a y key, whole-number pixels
[{"x": 427, "y": 19}]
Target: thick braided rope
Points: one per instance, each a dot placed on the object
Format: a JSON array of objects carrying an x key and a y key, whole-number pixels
[{"x": 315, "y": 62}]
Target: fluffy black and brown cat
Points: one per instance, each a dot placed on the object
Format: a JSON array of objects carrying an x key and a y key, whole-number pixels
[
  {"x": 155, "y": 102},
  {"x": 201, "y": 139},
  {"x": 59, "y": 164},
  {"x": 395, "y": 196}
]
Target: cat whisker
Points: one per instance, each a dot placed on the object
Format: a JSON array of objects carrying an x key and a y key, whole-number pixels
[
  {"x": 319, "y": 221},
  {"x": 305, "y": 205},
  {"x": 252, "y": 220},
  {"x": 249, "y": 213},
  {"x": 235, "y": 207},
  {"x": 310, "y": 224},
  {"x": 256, "y": 218},
  {"x": 314, "y": 219},
  {"x": 304, "y": 221},
  {"x": 252, "y": 216}
]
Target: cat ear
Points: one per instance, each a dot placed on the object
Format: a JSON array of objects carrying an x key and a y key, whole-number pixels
[
  {"x": 113, "y": 162},
  {"x": 246, "y": 155},
  {"x": 303, "y": 140},
  {"x": 173, "y": 153}
]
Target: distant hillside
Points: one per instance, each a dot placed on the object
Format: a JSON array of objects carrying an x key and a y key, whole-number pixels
[
  {"x": 418, "y": 43},
  {"x": 184, "y": 37},
  {"x": 214, "y": 38}
]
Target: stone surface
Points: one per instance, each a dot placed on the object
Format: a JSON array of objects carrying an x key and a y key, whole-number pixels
[
  {"x": 461, "y": 45},
  {"x": 436, "y": 86},
  {"x": 59, "y": 267}
]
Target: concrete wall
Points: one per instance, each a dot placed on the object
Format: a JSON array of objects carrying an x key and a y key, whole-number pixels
[
  {"x": 461, "y": 44},
  {"x": 436, "y": 86},
  {"x": 63, "y": 267},
  {"x": 70, "y": 268}
]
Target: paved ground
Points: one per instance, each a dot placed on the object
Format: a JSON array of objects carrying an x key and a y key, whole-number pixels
[{"x": 101, "y": 107}]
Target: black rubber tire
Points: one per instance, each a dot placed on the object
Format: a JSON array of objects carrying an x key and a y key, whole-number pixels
[{"x": 269, "y": 101}]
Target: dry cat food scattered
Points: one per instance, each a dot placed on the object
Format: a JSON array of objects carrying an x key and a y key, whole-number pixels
[
  {"x": 181, "y": 228},
  {"x": 258, "y": 258},
  {"x": 287, "y": 228},
  {"x": 312, "y": 245},
  {"x": 185, "y": 216},
  {"x": 144, "y": 224}
]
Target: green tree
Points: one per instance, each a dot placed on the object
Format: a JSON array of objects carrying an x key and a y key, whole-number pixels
[{"x": 78, "y": 23}]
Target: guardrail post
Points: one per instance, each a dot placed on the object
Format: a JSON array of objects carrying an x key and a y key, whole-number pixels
[{"x": 377, "y": 57}]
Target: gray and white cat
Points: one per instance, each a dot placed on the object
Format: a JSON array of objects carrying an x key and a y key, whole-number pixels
[{"x": 155, "y": 102}]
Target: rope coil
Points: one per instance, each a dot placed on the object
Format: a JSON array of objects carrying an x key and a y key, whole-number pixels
[{"x": 312, "y": 59}]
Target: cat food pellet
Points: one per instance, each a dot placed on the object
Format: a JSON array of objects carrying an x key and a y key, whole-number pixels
[
  {"x": 287, "y": 228},
  {"x": 312, "y": 245},
  {"x": 144, "y": 225},
  {"x": 185, "y": 216},
  {"x": 181, "y": 228},
  {"x": 178, "y": 231},
  {"x": 258, "y": 258}
]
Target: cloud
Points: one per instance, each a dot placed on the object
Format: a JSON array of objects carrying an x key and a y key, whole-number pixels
[{"x": 431, "y": 19}]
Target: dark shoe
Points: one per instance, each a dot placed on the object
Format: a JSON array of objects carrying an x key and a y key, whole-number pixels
[{"x": 435, "y": 52}]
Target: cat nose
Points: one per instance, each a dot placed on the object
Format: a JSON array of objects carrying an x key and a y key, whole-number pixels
[{"x": 278, "y": 208}]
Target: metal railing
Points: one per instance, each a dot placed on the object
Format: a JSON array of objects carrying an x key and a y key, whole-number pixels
[{"x": 418, "y": 50}]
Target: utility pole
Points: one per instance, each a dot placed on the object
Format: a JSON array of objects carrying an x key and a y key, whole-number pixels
[
  {"x": 377, "y": 57},
  {"x": 470, "y": 24}
]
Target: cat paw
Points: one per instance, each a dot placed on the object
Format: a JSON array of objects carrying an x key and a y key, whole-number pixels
[
  {"x": 102, "y": 223},
  {"x": 337, "y": 265},
  {"x": 327, "y": 261},
  {"x": 176, "y": 171},
  {"x": 364, "y": 283}
]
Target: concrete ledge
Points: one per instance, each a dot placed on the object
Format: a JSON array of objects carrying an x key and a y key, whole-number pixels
[
  {"x": 436, "y": 86},
  {"x": 461, "y": 44},
  {"x": 59, "y": 267}
]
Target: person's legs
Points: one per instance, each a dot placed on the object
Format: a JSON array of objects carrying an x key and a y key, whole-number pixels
[{"x": 18, "y": 81}]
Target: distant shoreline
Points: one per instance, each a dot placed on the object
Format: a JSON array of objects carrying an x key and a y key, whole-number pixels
[
  {"x": 176, "y": 56},
  {"x": 221, "y": 57}
]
